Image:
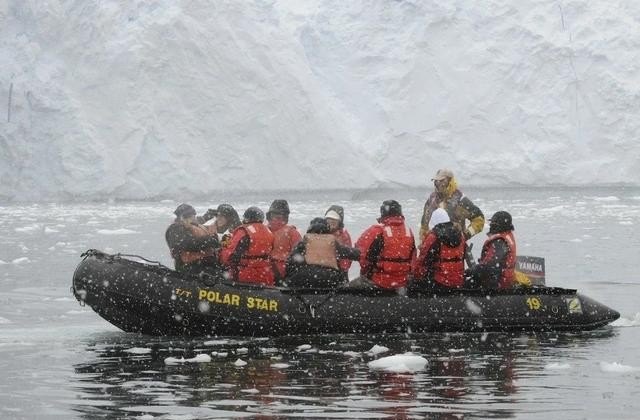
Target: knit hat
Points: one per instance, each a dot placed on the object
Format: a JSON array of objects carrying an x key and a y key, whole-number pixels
[
  {"x": 184, "y": 210},
  {"x": 390, "y": 208},
  {"x": 438, "y": 216},
  {"x": 253, "y": 215},
  {"x": 278, "y": 207},
  {"x": 318, "y": 225},
  {"x": 500, "y": 222}
]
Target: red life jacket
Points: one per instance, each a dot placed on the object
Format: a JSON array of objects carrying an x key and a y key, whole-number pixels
[
  {"x": 449, "y": 269},
  {"x": 198, "y": 231},
  {"x": 343, "y": 238},
  {"x": 394, "y": 263},
  {"x": 284, "y": 239},
  {"x": 255, "y": 264},
  {"x": 508, "y": 271}
]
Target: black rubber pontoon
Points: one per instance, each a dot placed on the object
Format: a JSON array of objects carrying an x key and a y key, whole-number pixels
[{"x": 153, "y": 299}]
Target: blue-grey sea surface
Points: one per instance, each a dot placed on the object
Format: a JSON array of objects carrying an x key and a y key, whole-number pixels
[{"x": 60, "y": 360}]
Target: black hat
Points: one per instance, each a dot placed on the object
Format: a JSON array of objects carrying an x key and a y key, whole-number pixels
[
  {"x": 226, "y": 210},
  {"x": 318, "y": 225},
  {"x": 500, "y": 222},
  {"x": 184, "y": 210},
  {"x": 390, "y": 208},
  {"x": 278, "y": 207},
  {"x": 253, "y": 215}
]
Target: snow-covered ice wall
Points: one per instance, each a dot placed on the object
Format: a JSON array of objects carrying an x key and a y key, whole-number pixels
[{"x": 166, "y": 98}]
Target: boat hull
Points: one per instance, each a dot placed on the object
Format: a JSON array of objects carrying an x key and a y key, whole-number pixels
[{"x": 152, "y": 299}]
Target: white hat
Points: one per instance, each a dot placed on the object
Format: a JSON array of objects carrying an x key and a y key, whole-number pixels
[
  {"x": 332, "y": 214},
  {"x": 438, "y": 216}
]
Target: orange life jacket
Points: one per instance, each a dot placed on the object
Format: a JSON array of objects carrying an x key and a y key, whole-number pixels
[
  {"x": 198, "y": 231},
  {"x": 320, "y": 250},
  {"x": 284, "y": 239},
  {"x": 394, "y": 263},
  {"x": 255, "y": 264},
  {"x": 507, "y": 277}
]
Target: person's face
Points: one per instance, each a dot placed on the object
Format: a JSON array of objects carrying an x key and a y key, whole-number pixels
[
  {"x": 221, "y": 221},
  {"x": 278, "y": 218},
  {"x": 333, "y": 224},
  {"x": 189, "y": 219},
  {"x": 441, "y": 185}
]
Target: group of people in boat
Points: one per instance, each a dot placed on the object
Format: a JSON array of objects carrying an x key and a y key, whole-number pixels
[{"x": 249, "y": 249}]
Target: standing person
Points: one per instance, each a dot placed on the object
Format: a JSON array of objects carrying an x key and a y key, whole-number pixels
[
  {"x": 192, "y": 247},
  {"x": 335, "y": 219},
  {"x": 460, "y": 209},
  {"x": 285, "y": 236},
  {"x": 440, "y": 262},
  {"x": 496, "y": 267},
  {"x": 248, "y": 253},
  {"x": 387, "y": 250},
  {"x": 313, "y": 262}
]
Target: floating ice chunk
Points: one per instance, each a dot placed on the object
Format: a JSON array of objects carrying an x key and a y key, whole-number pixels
[
  {"x": 240, "y": 363},
  {"x": 3, "y": 262},
  {"x": 21, "y": 260},
  {"x": 303, "y": 347},
  {"x": 50, "y": 230},
  {"x": 400, "y": 363},
  {"x": 121, "y": 231},
  {"x": 376, "y": 349},
  {"x": 280, "y": 365},
  {"x": 242, "y": 350},
  {"x": 138, "y": 350},
  {"x": 352, "y": 354},
  {"x": 616, "y": 367},
  {"x": 4, "y": 321},
  {"x": 200, "y": 358},
  {"x": 251, "y": 391},
  {"x": 557, "y": 366},
  {"x": 625, "y": 222}
]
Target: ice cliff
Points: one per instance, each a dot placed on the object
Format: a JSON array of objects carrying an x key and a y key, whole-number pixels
[{"x": 144, "y": 99}]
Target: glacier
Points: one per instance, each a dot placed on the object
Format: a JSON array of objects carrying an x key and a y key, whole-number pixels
[{"x": 141, "y": 100}]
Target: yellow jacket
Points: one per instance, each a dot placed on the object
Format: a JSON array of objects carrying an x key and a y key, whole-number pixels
[{"x": 459, "y": 208}]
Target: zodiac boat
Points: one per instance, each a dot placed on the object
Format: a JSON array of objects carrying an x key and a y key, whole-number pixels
[{"x": 138, "y": 295}]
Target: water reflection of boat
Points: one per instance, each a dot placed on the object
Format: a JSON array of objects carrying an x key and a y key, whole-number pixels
[{"x": 152, "y": 299}]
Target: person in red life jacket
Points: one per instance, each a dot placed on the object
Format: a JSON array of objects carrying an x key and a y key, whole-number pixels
[
  {"x": 496, "y": 267},
  {"x": 440, "y": 262},
  {"x": 313, "y": 262},
  {"x": 248, "y": 253},
  {"x": 335, "y": 219},
  {"x": 459, "y": 207},
  {"x": 192, "y": 247},
  {"x": 387, "y": 250},
  {"x": 285, "y": 236}
]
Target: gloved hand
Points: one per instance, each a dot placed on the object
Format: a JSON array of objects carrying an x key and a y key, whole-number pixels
[{"x": 226, "y": 240}]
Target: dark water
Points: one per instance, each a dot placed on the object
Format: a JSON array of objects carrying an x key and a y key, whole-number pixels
[{"x": 60, "y": 360}]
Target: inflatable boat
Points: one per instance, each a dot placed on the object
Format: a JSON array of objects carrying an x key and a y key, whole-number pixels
[{"x": 138, "y": 295}]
